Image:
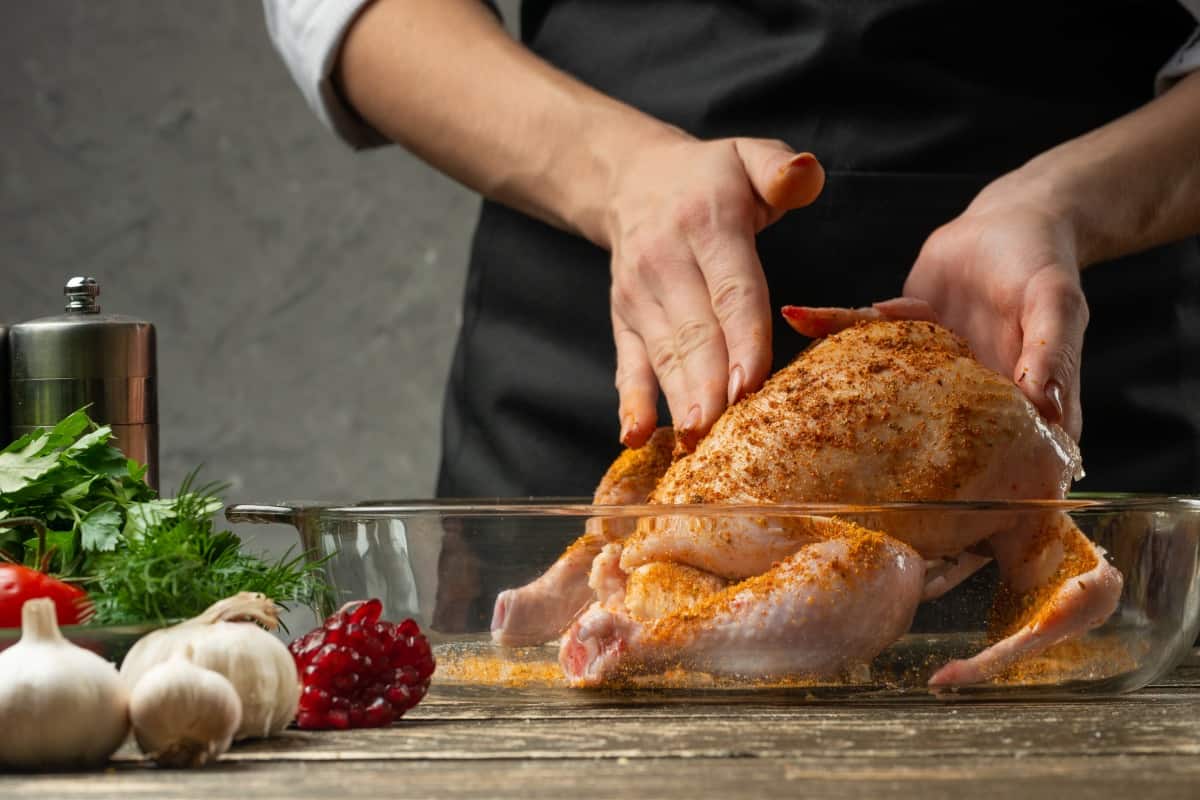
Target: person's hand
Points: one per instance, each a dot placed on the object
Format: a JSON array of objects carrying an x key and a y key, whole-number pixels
[
  {"x": 1005, "y": 275},
  {"x": 690, "y": 309}
]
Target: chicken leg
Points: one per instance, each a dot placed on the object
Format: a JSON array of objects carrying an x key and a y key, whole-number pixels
[
  {"x": 542, "y": 609},
  {"x": 1055, "y": 585},
  {"x": 832, "y": 604}
]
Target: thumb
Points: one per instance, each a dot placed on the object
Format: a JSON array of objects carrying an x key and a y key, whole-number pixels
[
  {"x": 1053, "y": 320},
  {"x": 782, "y": 178}
]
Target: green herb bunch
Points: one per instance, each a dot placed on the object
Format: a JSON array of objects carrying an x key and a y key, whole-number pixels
[{"x": 140, "y": 557}]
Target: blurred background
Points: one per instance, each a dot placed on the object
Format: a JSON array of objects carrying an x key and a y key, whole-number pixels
[{"x": 306, "y": 296}]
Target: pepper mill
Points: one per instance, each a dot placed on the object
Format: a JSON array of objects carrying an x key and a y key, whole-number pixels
[{"x": 60, "y": 364}]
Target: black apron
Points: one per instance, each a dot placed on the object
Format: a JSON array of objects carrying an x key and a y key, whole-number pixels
[{"x": 913, "y": 106}]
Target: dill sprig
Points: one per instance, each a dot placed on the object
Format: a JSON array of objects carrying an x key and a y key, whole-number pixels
[{"x": 178, "y": 567}]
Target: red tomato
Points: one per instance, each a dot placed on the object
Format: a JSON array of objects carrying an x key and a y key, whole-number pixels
[{"x": 18, "y": 584}]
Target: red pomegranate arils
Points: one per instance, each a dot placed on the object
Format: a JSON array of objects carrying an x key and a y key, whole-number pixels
[{"x": 359, "y": 671}]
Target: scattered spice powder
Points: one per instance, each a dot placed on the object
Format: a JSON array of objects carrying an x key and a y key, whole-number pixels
[
  {"x": 1090, "y": 658},
  {"x": 1012, "y": 610},
  {"x": 661, "y": 588},
  {"x": 489, "y": 666},
  {"x": 492, "y": 667}
]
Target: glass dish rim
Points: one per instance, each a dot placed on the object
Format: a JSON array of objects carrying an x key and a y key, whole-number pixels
[{"x": 583, "y": 507}]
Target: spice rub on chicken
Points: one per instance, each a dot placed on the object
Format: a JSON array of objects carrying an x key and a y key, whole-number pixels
[{"x": 882, "y": 409}]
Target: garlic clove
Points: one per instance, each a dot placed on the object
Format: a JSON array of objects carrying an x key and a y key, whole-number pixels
[
  {"x": 262, "y": 670},
  {"x": 184, "y": 715},
  {"x": 61, "y": 707},
  {"x": 227, "y": 639},
  {"x": 157, "y": 646}
]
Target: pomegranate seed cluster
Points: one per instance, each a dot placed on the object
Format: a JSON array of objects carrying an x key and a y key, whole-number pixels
[{"x": 360, "y": 672}]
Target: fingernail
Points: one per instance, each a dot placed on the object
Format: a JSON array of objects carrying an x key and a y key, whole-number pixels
[
  {"x": 793, "y": 312},
  {"x": 803, "y": 160},
  {"x": 686, "y": 436},
  {"x": 692, "y": 422},
  {"x": 628, "y": 426},
  {"x": 737, "y": 380},
  {"x": 1054, "y": 395}
]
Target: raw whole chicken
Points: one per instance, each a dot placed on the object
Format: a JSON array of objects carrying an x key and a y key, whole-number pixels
[{"x": 889, "y": 406}]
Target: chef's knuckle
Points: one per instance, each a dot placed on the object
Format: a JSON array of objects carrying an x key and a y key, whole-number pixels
[
  {"x": 695, "y": 216},
  {"x": 1073, "y": 304},
  {"x": 737, "y": 219},
  {"x": 1064, "y": 364},
  {"x": 623, "y": 294},
  {"x": 1069, "y": 358},
  {"x": 663, "y": 359},
  {"x": 730, "y": 295},
  {"x": 640, "y": 273},
  {"x": 938, "y": 247},
  {"x": 692, "y": 335},
  {"x": 653, "y": 261}
]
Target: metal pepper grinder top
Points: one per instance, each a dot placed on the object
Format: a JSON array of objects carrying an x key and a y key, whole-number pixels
[{"x": 86, "y": 358}]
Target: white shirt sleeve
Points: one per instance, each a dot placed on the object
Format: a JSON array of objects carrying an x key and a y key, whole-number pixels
[
  {"x": 308, "y": 34},
  {"x": 1187, "y": 59}
]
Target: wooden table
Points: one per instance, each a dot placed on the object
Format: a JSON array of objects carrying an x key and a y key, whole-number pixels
[{"x": 1145, "y": 745}]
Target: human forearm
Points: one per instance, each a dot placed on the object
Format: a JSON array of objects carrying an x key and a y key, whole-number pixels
[
  {"x": 442, "y": 78},
  {"x": 1125, "y": 187},
  {"x": 690, "y": 308}
]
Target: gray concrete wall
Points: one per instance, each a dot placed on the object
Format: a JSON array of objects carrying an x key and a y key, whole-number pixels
[{"x": 306, "y": 297}]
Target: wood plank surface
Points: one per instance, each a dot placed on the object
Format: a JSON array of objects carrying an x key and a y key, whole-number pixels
[
  {"x": 473, "y": 744},
  {"x": 1154, "y": 724},
  {"x": 1140, "y": 777}
]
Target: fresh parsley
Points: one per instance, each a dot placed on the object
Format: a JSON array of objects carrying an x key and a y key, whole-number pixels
[{"x": 140, "y": 557}]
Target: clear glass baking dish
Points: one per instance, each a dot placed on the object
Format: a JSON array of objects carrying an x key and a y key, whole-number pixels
[{"x": 445, "y": 564}]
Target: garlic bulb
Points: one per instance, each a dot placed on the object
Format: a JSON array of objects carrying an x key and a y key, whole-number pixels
[
  {"x": 226, "y": 640},
  {"x": 61, "y": 707},
  {"x": 183, "y": 715}
]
